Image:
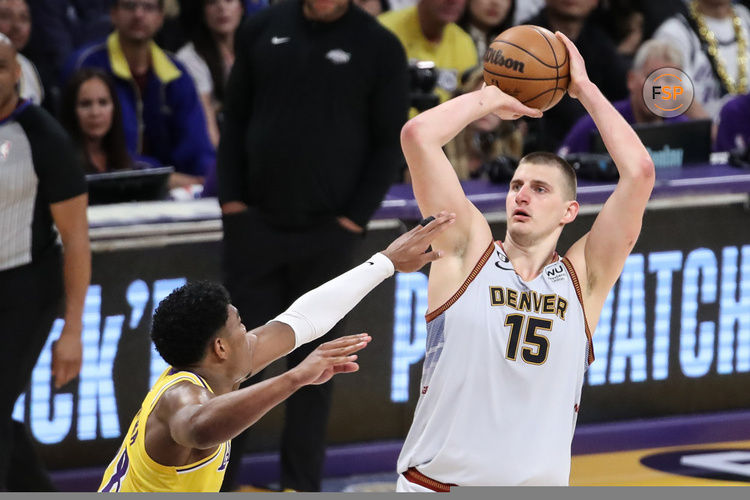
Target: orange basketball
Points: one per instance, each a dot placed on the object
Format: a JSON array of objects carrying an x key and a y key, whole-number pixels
[{"x": 529, "y": 63}]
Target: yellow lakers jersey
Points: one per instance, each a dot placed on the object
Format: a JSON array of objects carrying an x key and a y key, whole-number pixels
[{"x": 132, "y": 470}]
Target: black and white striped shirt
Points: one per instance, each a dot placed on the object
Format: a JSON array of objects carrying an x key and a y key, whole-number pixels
[{"x": 38, "y": 166}]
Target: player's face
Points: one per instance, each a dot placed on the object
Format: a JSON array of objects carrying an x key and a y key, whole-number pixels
[
  {"x": 324, "y": 10},
  {"x": 10, "y": 72},
  {"x": 242, "y": 344},
  {"x": 223, "y": 16},
  {"x": 94, "y": 108},
  {"x": 15, "y": 21},
  {"x": 536, "y": 204},
  {"x": 137, "y": 20}
]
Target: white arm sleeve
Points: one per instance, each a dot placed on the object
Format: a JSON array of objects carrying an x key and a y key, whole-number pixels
[{"x": 316, "y": 312}]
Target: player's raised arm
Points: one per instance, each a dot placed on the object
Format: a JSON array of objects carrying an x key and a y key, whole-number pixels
[
  {"x": 600, "y": 255},
  {"x": 316, "y": 312},
  {"x": 436, "y": 186}
]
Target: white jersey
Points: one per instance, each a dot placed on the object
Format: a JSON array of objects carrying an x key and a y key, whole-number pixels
[{"x": 502, "y": 377}]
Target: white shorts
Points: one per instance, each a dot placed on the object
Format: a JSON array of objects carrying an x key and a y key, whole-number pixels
[{"x": 403, "y": 485}]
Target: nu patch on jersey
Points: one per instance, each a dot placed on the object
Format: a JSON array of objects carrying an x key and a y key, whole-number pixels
[
  {"x": 530, "y": 301},
  {"x": 555, "y": 273}
]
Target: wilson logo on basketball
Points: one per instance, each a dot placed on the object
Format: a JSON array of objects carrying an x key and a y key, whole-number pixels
[{"x": 496, "y": 57}]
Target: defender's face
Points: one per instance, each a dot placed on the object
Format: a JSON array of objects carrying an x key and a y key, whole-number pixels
[
  {"x": 242, "y": 344},
  {"x": 536, "y": 202}
]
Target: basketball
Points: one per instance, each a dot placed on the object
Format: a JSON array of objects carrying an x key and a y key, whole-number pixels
[{"x": 530, "y": 64}]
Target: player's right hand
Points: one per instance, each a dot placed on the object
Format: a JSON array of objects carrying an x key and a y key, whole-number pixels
[
  {"x": 578, "y": 75},
  {"x": 336, "y": 356},
  {"x": 505, "y": 106}
]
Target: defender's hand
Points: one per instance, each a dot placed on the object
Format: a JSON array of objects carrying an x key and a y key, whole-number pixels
[
  {"x": 336, "y": 356},
  {"x": 409, "y": 251},
  {"x": 579, "y": 79}
]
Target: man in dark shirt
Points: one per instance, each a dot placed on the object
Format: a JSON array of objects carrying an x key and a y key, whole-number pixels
[
  {"x": 603, "y": 64},
  {"x": 314, "y": 107},
  {"x": 41, "y": 183}
]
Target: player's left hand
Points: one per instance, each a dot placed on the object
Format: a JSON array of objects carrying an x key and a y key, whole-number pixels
[
  {"x": 67, "y": 353},
  {"x": 409, "y": 251},
  {"x": 578, "y": 76}
]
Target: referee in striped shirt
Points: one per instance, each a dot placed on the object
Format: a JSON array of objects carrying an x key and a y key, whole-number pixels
[{"x": 42, "y": 194}]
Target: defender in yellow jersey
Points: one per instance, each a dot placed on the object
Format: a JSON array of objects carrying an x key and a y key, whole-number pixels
[{"x": 179, "y": 439}]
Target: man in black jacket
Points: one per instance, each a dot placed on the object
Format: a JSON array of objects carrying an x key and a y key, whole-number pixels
[{"x": 313, "y": 111}]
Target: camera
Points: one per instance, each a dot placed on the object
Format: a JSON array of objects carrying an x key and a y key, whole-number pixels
[
  {"x": 594, "y": 167},
  {"x": 500, "y": 170},
  {"x": 422, "y": 80}
]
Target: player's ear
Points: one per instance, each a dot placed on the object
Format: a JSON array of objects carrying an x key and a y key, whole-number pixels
[
  {"x": 571, "y": 212},
  {"x": 219, "y": 347}
]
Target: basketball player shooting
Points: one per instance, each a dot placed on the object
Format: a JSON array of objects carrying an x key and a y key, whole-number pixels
[
  {"x": 509, "y": 322},
  {"x": 179, "y": 440}
]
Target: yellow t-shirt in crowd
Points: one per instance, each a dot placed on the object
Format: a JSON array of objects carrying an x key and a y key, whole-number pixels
[
  {"x": 132, "y": 470},
  {"x": 453, "y": 55}
]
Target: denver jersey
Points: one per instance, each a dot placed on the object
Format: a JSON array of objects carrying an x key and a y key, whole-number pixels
[
  {"x": 132, "y": 470},
  {"x": 502, "y": 377}
]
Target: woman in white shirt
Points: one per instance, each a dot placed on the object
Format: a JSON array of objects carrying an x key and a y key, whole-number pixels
[{"x": 209, "y": 55}]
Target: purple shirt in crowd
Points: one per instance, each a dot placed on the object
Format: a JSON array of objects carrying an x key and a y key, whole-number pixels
[
  {"x": 578, "y": 139},
  {"x": 734, "y": 124}
]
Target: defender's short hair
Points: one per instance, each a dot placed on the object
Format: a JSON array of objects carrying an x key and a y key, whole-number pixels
[
  {"x": 545, "y": 158},
  {"x": 187, "y": 320}
]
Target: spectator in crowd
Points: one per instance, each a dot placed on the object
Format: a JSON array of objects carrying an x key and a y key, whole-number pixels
[
  {"x": 655, "y": 13},
  {"x": 624, "y": 20},
  {"x": 372, "y": 7},
  {"x": 253, "y": 6},
  {"x": 92, "y": 115},
  {"x": 42, "y": 193},
  {"x": 312, "y": 115},
  {"x": 714, "y": 37},
  {"x": 527, "y": 9},
  {"x": 604, "y": 65},
  {"x": 428, "y": 32},
  {"x": 61, "y": 26},
  {"x": 652, "y": 55},
  {"x": 483, "y": 141},
  {"x": 162, "y": 114},
  {"x": 15, "y": 22},
  {"x": 209, "y": 55},
  {"x": 734, "y": 125},
  {"x": 483, "y": 20}
]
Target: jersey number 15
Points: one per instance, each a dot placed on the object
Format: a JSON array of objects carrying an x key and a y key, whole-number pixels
[{"x": 535, "y": 346}]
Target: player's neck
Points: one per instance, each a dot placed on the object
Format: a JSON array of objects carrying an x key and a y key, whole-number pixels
[
  {"x": 216, "y": 380},
  {"x": 529, "y": 257}
]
